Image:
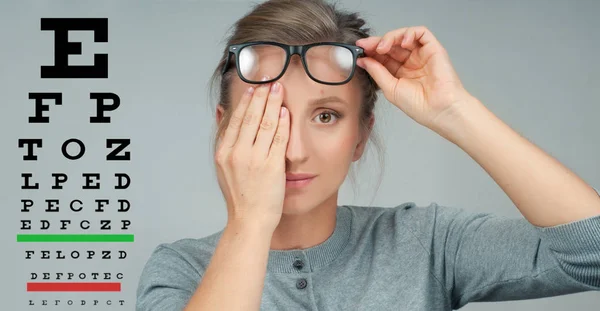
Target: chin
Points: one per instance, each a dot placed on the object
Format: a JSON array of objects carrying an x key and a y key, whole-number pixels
[{"x": 295, "y": 206}]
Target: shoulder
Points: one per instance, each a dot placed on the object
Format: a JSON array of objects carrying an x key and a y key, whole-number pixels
[
  {"x": 173, "y": 271},
  {"x": 184, "y": 254},
  {"x": 407, "y": 213},
  {"x": 409, "y": 218}
]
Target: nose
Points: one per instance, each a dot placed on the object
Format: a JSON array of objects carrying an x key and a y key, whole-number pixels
[
  {"x": 295, "y": 81},
  {"x": 297, "y": 151}
]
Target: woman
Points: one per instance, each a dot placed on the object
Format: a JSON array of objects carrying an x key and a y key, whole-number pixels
[{"x": 281, "y": 159}]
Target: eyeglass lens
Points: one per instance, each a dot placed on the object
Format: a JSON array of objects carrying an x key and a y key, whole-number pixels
[{"x": 327, "y": 63}]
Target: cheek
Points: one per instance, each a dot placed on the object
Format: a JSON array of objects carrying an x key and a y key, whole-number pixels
[{"x": 336, "y": 151}]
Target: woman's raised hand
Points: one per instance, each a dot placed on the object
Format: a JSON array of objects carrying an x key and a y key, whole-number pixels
[
  {"x": 415, "y": 74},
  {"x": 251, "y": 157}
]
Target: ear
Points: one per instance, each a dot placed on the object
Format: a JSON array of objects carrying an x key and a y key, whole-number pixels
[
  {"x": 360, "y": 147},
  {"x": 219, "y": 113}
]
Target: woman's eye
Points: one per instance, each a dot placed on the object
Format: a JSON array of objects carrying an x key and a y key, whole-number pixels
[{"x": 325, "y": 117}]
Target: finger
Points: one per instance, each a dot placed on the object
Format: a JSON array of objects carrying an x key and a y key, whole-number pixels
[
  {"x": 280, "y": 140},
  {"x": 235, "y": 122},
  {"x": 380, "y": 74},
  {"x": 270, "y": 121},
  {"x": 389, "y": 63},
  {"x": 370, "y": 44},
  {"x": 398, "y": 53},
  {"x": 253, "y": 116},
  {"x": 408, "y": 38}
]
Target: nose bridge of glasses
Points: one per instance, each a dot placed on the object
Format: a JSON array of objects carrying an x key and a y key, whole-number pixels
[
  {"x": 293, "y": 50},
  {"x": 296, "y": 49}
]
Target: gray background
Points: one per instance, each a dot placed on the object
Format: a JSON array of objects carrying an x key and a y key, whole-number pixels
[{"x": 533, "y": 64}]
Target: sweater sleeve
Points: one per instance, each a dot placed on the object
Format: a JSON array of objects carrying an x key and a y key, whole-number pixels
[
  {"x": 167, "y": 281},
  {"x": 493, "y": 258}
]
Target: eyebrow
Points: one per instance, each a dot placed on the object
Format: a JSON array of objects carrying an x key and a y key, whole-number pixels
[{"x": 323, "y": 100}]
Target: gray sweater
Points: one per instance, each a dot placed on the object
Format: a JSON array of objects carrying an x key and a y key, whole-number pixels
[{"x": 406, "y": 257}]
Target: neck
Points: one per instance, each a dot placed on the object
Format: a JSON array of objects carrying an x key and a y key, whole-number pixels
[{"x": 305, "y": 226}]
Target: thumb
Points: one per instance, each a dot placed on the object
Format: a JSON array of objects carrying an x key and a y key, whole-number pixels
[{"x": 380, "y": 74}]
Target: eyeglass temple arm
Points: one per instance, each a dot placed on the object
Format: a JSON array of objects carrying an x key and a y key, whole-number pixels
[{"x": 226, "y": 65}]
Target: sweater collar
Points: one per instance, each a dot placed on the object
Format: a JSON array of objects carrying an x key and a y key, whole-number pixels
[{"x": 315, "y": 257}]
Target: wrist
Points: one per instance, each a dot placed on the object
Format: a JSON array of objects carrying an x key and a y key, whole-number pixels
[
  {"x": 250, "y": 227},
  {"x": 452, "y": 122}
]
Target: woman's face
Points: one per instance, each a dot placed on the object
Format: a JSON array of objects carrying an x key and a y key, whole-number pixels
[{"x": 324, "y": 134}]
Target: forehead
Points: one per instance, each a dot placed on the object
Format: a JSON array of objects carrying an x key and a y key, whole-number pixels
[{"x": 307, "y": 92}]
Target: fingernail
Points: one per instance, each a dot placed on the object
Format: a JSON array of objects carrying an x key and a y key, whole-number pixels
[
  {"x": 404, "y": 40},
  {"x": 283, "y": 112},
  {"x": 360, "y": 63},
  {"x": 250, "y": 90},
  {"x": 380, "y": 45},
  {"x": 275, "y": 87}
]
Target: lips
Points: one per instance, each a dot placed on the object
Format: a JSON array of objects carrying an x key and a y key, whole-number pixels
[
  {"x": 298, "y": 176},
  {"x": 298, "y": 181}
]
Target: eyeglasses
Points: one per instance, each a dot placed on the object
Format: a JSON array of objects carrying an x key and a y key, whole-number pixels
[{"x": 330, "y": 63}]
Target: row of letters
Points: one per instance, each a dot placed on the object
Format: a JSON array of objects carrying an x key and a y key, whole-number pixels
[
  {"x": 61, "y": 178},
  {"x": 104, "y": 224},
  {"x": 52, "y": 205},
  {"x": 79, "y": 276},
  {"x": 58, "y": 254},
  {"x": 56, "y": 302}
]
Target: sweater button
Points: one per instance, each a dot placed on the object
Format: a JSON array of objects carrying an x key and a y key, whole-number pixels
[
  {"x": 301, "y": 283},
  {"x": 298, "y": 264}
]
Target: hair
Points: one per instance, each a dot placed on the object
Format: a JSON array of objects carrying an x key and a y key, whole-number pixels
[{"x": 297, "y": 22}]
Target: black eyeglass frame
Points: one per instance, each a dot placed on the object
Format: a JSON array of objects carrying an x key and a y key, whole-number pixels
[{"x": 290, "y": 50}]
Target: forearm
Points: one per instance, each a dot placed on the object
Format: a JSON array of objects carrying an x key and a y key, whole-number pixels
[
  {"x": 234, "y": 278},
  {"x": 546, "y": 192}
]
